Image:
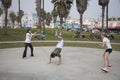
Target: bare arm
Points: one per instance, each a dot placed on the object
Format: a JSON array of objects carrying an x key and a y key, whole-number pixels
[{"x": 102, "y": 44}]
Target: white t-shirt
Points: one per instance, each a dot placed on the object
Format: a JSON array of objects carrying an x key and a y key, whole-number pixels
[
  {"x": 106, "y": 41},
  {"x": 60, "y": 44},
  {"x": 28, "y": 38}
]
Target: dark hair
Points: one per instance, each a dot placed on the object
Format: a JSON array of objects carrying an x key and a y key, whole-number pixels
[
  {"x": 28, "y": 30},
  {"x": 104, "y": 34}
]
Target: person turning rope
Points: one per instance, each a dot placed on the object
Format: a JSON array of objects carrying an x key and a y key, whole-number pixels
[{"x": 29, "y": 36}]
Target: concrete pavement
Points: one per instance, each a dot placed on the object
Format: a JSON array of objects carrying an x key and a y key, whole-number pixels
[{"x": 78, "y": 63}]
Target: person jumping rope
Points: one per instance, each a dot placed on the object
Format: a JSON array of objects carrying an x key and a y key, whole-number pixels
[
  {"x": 57, "y": 50},
  {"x": 106, "y": 43}
]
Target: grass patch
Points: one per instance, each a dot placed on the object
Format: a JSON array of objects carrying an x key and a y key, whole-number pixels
[
  {"x": 19, "y": 35},
  {"x": 89, "y": 45}
]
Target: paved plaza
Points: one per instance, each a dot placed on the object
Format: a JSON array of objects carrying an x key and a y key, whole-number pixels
[{"x": 78, "y": 63}]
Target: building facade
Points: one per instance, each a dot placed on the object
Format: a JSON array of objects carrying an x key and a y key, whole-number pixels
[
  {"x": 29, "y": 20},
  {"x": 113, "y": 24}
]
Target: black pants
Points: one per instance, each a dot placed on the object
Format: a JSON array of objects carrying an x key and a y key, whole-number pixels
[{"x": 25, "y": 50}]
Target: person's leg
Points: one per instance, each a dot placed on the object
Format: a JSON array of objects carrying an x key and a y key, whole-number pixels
[
  {"x": 106, "y": 61},
  {"x": 50, "y": 60},
  {"x": 31, "y": 47},
  {"x": 110, "y": 51},
  {"x": 25, "y": 50},
  {"x": 59, "y": 55},
  {"x": 59, "y": 60},
  {"x": 52, "y": 55}
]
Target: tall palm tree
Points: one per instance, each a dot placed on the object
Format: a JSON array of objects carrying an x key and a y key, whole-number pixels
[
  {"x": 62, "y": 6},
  {"x": 19, "y": 7},
  {"x": 103, "y": 3},
  {"x": 66, "y": 16},
  {"x": 6, "y": 4},
  {"x": 20, "y": 15},
  {"x": 1, "y": 11},
  {"x": 20, "y": 12},
  {"x": 54, "y": 15},
  {"x": 44, "y": 17},
  {"x": 107, "y": 19},
  {"x": 81, "y": 7},
  {"x": 13, "y": 18},
  {"x": 18, "y": 20},
  {"x": 48, "y": 18},
  {"x": 41, "y": 14},
  {"x": 38, "y": 8}
]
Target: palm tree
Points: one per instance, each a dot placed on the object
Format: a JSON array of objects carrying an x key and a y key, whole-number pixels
[
  {"x": 38, "y": 8},
  {"x": 1, "y": 11},
  {"x": 81, "y": 7},
  {"x": 41, "y": 14},
  {"x": 13, "y": 18},
  {"x": 20, "y": 14},
  {"x": 107, "y": 19},
  {"x": 44, "y": 17},
  {"x": 19, "y": 5},
  {"x": 62, "y": 6},
  {"x": 66, "y": 16},
  {"x": 6, "y": 4},
  {"x": 18, "y": 20},
  {"x": 48, "y": 18},
  {"x": 103, "y": 3},
  {"x": 54, "y": 15}
]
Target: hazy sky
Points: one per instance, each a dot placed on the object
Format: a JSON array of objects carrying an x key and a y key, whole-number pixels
[{"x": 93, "y": 9}]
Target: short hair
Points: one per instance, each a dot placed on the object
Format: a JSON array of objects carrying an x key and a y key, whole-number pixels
[
  {"x": 104, "y": 34},
  {"x": 28, "y": 30}
]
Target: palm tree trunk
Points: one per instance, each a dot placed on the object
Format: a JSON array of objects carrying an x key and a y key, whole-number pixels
[
  {"x": 40, "y": 17},
  {"x": 81, "y": 23},
  {"x": 6, "y": 12},
  {"x": 19, "y": 5},
  {"x": 61, "y": 22},
  {"x": 13, "y": 25},
  {"x": 103, "y": 10},
  {"x": 39, "y": 23},
  {"x": 107, "y": 19},
  {"x": 19, "y": 9},
  {"x": 19, "y": 12},
  {"x": 43, "y": 19},
  {"x": 54, "y": 20}
]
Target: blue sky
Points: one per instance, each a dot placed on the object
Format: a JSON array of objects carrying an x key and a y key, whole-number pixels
[{"x": 93, "y": 9}]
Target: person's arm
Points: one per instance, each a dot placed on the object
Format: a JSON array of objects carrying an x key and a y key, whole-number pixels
[
  {"x": 59, "y": 37},
  {"x": 102, "y": 44},
  {"x": 34, "y": 34}
]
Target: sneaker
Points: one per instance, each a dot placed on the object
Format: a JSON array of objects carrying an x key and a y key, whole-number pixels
[{"x": 105, "y": 70}]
